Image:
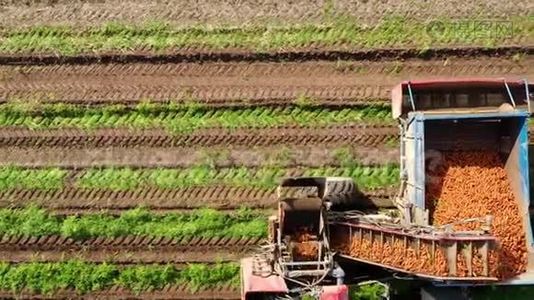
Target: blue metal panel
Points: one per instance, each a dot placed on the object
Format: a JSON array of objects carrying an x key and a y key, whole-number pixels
[
  {"x": 418, "y": 181},
  {"x": 525, "y": 183}
]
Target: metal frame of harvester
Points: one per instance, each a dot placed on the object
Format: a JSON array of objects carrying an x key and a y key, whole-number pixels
[{"x": 437, "y": 115}]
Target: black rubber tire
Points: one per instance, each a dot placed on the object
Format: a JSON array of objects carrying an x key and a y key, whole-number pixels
[{"x": 341, "y": 192}]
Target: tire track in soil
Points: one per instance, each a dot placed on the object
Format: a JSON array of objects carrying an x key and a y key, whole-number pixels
[
  {"x": 127, "y": 249},
  {"x": 76, "y": 200},
  {"x": 223, "y": 84},
  {"x": 362, "y": 135},
  {"x": 235, "y": 13}
]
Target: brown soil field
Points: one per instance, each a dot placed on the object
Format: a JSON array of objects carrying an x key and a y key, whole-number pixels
[
  {"x": 228, "y": 12},
  {"x": 340, "y": 82}
]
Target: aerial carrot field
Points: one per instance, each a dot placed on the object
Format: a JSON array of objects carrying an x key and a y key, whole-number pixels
[{"x": 141, "y": 142}]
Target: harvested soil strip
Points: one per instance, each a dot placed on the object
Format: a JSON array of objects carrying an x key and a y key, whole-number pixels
[
  {"x": 183, "y": 157},
  {"x": 340, "y": 82},
  {"x": 226, "y": 292},
  {"x": 281, "y": 56},
  {"x": 475, "y": 185},
  {"x": 177, "y": 257},
  {"x": 218, "y": 197},
  {"x": 263, "y": 70},
  {"x": 123, "y": 257},
  {"x": 126, "y": 250},
  {"x": 364, "y": 135},
  {"x": 82, "y": 13}
]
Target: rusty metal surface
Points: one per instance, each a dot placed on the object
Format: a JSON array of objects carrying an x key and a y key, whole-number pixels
[
  {"x": 436, "y": 253},
  {"x": 426, "y": 276}
]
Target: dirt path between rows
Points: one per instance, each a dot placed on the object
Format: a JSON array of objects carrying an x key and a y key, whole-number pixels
[
  {"x": 183, "y": 157},
  {"x": 146, "y": 256},
  {"x": 238, "y": 83},
  {"x": 190, "y": 12}
]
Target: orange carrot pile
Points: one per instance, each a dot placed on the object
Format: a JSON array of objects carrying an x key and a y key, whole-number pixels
[
  {"x": 464, "y": 185},
  {"x": 305, "y": 247},
  {"x": 475, "y": 184},
  {"x": 393, "y": 253}
]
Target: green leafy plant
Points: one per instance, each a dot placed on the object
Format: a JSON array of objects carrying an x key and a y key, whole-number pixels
[
  {"x": 122, "y": 179},
  {"x": 48, "y": 277},
  {"x": 40, "y": 179},
  {"x": 199, "y": 275},
  {"x": 33, "y": 221},
  {"x": 182, "y": 119},
  {"x": 371, "y": 291},
  {"x": 335, "y": 30},
  {"x": 147, "y": 277},
  {"x": 86, "y": 277}
]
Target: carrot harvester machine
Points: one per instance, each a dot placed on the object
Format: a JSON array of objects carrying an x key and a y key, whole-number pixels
[{"x": 322, "y": 239}]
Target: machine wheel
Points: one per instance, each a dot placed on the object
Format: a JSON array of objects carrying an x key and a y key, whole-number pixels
[{"x": 340, "y": 191}]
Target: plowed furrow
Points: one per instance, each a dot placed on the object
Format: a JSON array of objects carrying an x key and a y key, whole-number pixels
[
  {"x": 458, "y": 66},
  {"x": 310, "y": 53},
  {"x": 126, "y": 250},
  {"x": 218, "y": 197},
  {"x": 57, "y": 242},
  {"x": 233, "y": 95},
  {"x": 73, "y": 138}
]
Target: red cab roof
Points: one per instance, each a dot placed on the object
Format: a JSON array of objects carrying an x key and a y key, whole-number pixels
[{"x": 452, "y": 83}]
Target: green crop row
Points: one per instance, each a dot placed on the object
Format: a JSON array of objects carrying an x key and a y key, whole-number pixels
[
  {"x": 120, "y": 179},
  {"x": 39, "y": 179},
  {"x": 33, "y": 221},
  {"x": 157, "y": 36},
  {"x": 46, "y": 278},
  {"x": 182, "y": 119}
]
